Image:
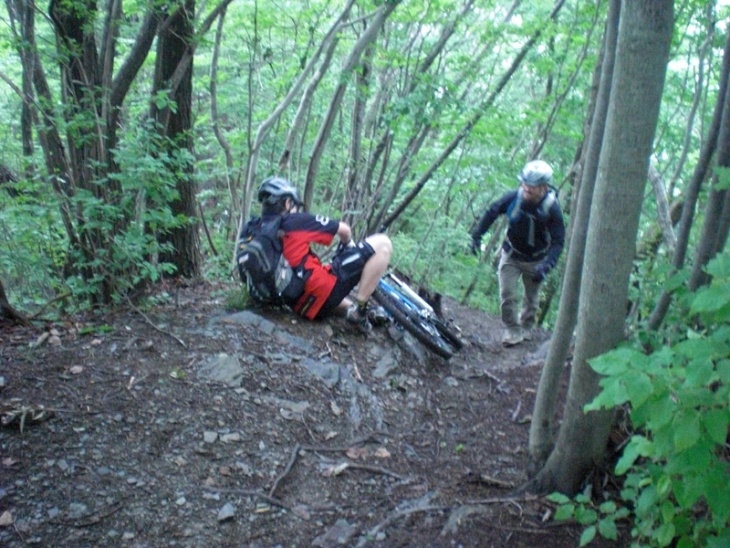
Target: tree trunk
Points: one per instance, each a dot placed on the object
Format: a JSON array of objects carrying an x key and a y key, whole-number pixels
[
  {"x": 693, "y": 189},
  {"x": 351, "y": 63},
  {"x": 645, "y": 31},
  {"x": 7, "y": 312},
  {"x": 469, "y": 125},
  {"x": 326, "y": 51},
  {"x": 172, "y": 51},
  {"x": 353, "y": 192},
  {"x": 714, "y": 229},
  {"x": 543, "y": 417},
  {"x": 215, "y": 118}
]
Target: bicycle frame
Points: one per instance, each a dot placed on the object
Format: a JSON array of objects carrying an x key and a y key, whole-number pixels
[{"x": 417, "y": 302}]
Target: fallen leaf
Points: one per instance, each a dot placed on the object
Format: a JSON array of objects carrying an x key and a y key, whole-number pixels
[
  {"x": 9, "y": 461},
  {"x": 329, "y": 435},
  {"x": 382, "y": 453},
  {"x": 357, "y": 453},
  {"x": 41, "y": 339},
  {"x": 336, "y": 409},
  {"x": 76, "y": 369},
  {"x": 335, "y": 470}
]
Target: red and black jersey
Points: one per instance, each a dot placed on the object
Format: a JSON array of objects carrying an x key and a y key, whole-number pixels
[{"x": 301, "y": 230}]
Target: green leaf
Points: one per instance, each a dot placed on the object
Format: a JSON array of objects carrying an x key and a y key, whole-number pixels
[
  {"x": 697, "y": 457},
  {"x": 718, "y": 492},
  {"x": 558, "y": 498},
  {"x": 723, "y": 370},
  {"x": 664, "y": 534},
  {"x": 608, "y": 507},
  {"x": 629, "y": 456},
  {"x": 588, "y": 535},
  {"x": 710, "y": 299},
  {"x": 689, "y": 491},
  {"x": 686, "y": 431},
  {"x": 700, "y": 374},
  {"x": 616, "y": 361},
  {"x": 586, "y": 516},
  {"x": 564, "y": 512},
  {"x": 664, "y": 485},
  {"x": 638, "y": 387},
  {"x": 696, "y": 349},
  {"x": 719, "y": 267},
  {"x": 646, "y": 502},
  {"x": 607, "y": 528},
  {"x": 613, "y": 394},
  {"x": 716, "y": 422},
  {"x": 657, "y": 415}
]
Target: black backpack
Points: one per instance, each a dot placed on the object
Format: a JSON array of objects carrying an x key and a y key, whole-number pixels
[{"x": 268, "y": 276}]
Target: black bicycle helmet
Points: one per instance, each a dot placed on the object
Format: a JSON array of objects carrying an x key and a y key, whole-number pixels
[
  {"x": 276, "y": 189},
  {"x": 536, "y": 173}
]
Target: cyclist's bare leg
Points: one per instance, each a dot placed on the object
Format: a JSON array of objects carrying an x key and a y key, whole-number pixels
[{"x": 375, "y": 267}]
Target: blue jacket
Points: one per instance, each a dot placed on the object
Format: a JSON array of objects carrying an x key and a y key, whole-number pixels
[{"x": 536, "y": 232}]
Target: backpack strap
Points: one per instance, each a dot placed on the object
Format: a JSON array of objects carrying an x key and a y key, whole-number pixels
[{"x": 513, "y": 210}]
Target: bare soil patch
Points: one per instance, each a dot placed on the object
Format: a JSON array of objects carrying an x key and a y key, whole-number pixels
[{"x": 325, "y": 439}]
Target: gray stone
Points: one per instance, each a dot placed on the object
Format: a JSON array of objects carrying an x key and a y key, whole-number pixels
[
  {"x": 223, "y": 368},
  {"x": 326, "y": 370},
  {"x": 226, "y": 512}
]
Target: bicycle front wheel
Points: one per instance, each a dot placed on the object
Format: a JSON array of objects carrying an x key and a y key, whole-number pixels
[{"x": 425, "y": 328}]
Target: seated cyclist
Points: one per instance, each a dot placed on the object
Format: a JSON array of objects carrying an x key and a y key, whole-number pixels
[{"x": 327, "y": 286}]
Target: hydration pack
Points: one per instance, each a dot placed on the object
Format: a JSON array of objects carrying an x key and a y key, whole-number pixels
[
  {"x": 268, "y": 276},
  {"x": 514, "y": 209}
]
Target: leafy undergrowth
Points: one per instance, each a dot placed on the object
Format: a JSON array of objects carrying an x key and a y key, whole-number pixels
[{"x": 114, "y": 435}]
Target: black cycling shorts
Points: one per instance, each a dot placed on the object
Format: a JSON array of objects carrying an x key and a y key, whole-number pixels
[{"x": 347, "y": 266}]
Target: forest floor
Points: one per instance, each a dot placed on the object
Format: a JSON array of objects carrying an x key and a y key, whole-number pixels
[{"x": 192, "y": 425}]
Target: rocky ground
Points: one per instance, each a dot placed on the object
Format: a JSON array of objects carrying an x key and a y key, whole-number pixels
[{"x": 190, "y": 425}]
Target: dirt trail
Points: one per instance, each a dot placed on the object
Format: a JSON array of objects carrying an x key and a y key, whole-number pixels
[{"x": 190, "y": 425}]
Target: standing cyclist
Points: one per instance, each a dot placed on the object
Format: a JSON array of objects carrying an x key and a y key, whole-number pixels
[
  {"x": 327, "y": 286},
  {"x": 531, "y": 248}
]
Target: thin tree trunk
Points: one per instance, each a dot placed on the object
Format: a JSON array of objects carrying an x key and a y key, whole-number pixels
[
  {"x": 662, "y": 205},
  {"x": 353, "y": 60},
  {"x": 354, "y": 164},
  {"x": 466, "y": 130},
  {"x": 215, "y": 118},
  {"x": 693, "y": 189},
  {"x": 328, "y": 46},
  {"x": 712, "y": 239},
  {"x": 542, "y": 427},
  {"x": 645, "y": 31}
]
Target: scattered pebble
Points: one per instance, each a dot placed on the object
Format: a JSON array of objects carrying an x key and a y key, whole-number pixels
[{"x": 226, "y": 512}]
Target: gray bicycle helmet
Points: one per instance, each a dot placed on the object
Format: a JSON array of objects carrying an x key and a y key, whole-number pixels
[
  {"x": 536, "y": 173},
  {"x": 276, "y": 189}
]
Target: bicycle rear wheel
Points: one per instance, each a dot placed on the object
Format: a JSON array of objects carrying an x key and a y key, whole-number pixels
[{"x": 428, "y": 330}]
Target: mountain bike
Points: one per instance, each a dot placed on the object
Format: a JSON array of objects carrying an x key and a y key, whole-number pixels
[{"x": 416, "y": 316}]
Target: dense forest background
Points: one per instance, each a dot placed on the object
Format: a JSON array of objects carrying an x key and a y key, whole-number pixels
[{"x": 134, "y": 133}]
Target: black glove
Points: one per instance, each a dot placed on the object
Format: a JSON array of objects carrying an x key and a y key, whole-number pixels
[
  {"x": 475, "y": 246},
  {"x": 540, "y": 273}
]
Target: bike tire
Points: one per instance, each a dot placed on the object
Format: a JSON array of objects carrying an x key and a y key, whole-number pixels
[
  {"x": 426, "y": 331},
  {"x": 447, "y": 333}
]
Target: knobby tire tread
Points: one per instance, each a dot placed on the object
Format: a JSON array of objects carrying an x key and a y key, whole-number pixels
[
  {"x": 441, "y": 347},
  {"x": 446, "y": 332}
]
